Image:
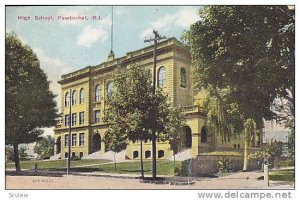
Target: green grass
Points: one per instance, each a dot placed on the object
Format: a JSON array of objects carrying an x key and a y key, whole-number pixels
[
  {"x": 54, "y": 164},
  {"x": 164, "y": 167},
  {"x": 222, "y": 153},
  {"x": 283, "y": 175}
]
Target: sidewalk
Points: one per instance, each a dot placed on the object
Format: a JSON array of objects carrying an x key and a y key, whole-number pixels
[{"x": 237, "y": 180}]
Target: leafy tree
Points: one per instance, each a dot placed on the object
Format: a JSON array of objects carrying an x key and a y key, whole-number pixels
[
  {"x": 133, "y": 110},
  {"x": 274, "y": 149},
  {"x": 22, "y": 153},
  {"x": 115, "y": 140},
  {"x": 223, "y": 118},
  {"x": 45, "y": 147},
  {"x": 29, "y": 103},
  {"x": 248, "y": 49},
  {"x": 250, "y": 129},
  {"x": 291, "y": 145},
  {"x": 9, "y": 153}
]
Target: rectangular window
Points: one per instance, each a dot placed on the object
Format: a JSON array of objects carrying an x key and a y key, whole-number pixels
[
  {"x": 97, "y": 116},
  {"x": 81, "y": 139},
  {"x": 67, "y": 120},
  {"x": 66, "y": 140},
  {"x": 74, "y": 119},
  {"x": 81, "y": 117},
  {"x": 74, "y": 139}
]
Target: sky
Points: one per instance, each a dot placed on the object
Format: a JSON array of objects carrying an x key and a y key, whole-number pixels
[{"x": 63, "y": 46}]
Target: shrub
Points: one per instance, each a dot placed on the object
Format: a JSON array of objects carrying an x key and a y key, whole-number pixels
[
  {"x": 285, "y": 163},
  {"x": 75, "y": 158},
  {"x": 224, "y": 165},
  {"x": 184, "y": 169}
]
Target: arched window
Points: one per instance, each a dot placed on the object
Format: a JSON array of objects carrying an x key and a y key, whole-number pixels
[
  {"x": 147, "y": 154},
  {"x": 183, "y": 78},
  {"x": 135, "y": 154},
  {"x": 161, "y": 153},
  {"x": 109, "y": 88},
  {"x": 97, "y": 93},
  {"x": 74, "y": 97},
  {"x": 203, "y": 135},
  {"x": 81, "y": 96},
  {"x": 162, "y": 77},
  {"x": 67, "y": 99}
]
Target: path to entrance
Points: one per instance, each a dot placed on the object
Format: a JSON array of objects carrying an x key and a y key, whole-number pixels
[{"x": 239, "y": 180}]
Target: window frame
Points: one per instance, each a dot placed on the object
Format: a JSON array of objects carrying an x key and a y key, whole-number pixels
[
  {"x": 98, "y": 93},
  {"x": 183, "y": 80},
  {"x": 162, "y": 80},
  {"x": 81, "y": 96}
]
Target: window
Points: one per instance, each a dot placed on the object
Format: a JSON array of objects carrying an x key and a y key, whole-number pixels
[
  {"x": 66, "y": 140},
  {"x": 97, "y": 93},
  {"x": 74, "y": 139},
  {"x": 81, "y": 96},
  {"x": 67, "y": 99},
  {"x": 81, "y": 117},
  {"x": 162, "y": 77},
  {"x": 135, "y": 154},
  {"x": 97, "y": 116},
  {"x": 74, "y": 119},
  {"x": 182, "y": 78},
  {"x": 203, "y": 135},
  {"x": 239, "y": 146},
  {"x": 109, "y": 88},
  {"x": 161, "y": 153},
  {"x": 81, "y": 139},
  {"x": 73, "y": 154},
  {"x": 74, "y": 97},
  {"x": 147, "y": 154},
  {"x": 80, "y": 155},
  {"x": 66, "y": 154},
  {"x": 234, "y": 146},
  {"x": 67, "y": 120}
]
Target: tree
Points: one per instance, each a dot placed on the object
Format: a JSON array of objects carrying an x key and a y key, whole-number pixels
[
  {"x": 115, "y": 140},
  {"x": 250, "y": 129},
  {"x": 223, "y": 117},
  {"x": 250, "y": 51},
  {"x": 9, "y": 153},
  {"x": 45, "y": 147},
  {"x": 22, "y": 153},
  {"x": 134, "y": 112},
  {"x": 29, "y": 103}
]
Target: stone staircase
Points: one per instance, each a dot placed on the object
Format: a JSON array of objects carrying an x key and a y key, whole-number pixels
[
  {"x": 55, "y": 157},
  {"x": 183, "y": 155},
  {"x": 109, "y": 155}
]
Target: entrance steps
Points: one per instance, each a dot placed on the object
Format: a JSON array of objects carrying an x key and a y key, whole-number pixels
[
  {"x": 55, "y": 157},
  {"x": 109, "y": 155},
  {"x": 183, "y": 155}
]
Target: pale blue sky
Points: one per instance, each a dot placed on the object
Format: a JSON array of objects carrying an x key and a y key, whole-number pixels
[
  {"x": 63, "y": 47},
  {"x": 66, "y": 46}
]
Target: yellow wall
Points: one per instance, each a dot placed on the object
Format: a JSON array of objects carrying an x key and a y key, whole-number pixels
[{"x": 172, "y": 55}]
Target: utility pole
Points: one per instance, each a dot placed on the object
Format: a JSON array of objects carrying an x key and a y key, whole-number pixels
[
  {"x": 69, "y": 138},
  {"x": 156, "y": 40}
]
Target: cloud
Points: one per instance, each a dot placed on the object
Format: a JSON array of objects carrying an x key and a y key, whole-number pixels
[
  {"x": 90, "y": 35},
  {"x": 54, "y": 68},
  {"x": 182, "y": 18}
]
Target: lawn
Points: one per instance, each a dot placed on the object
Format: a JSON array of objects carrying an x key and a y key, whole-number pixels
[
  {"x": 54, "y": 164},
  {"x": 283, "y": 175},
  {"x": 164, "y": 167}
]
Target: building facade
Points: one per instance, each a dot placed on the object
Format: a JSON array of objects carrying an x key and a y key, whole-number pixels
[{"x": 90, "y": 86}]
